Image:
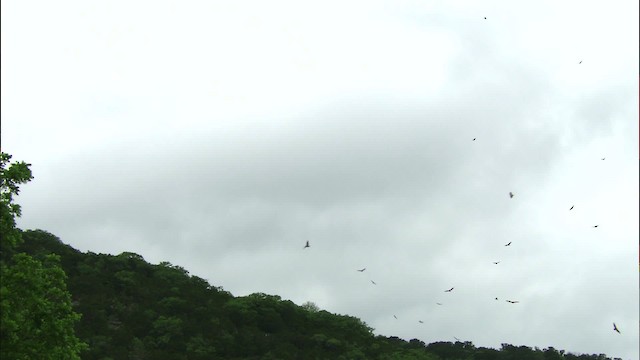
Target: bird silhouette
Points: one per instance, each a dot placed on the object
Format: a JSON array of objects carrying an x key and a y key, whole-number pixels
[
  {"x": 373, "y": 282},
  {"x": 361, "y": 270},
  {"x": 510, "y": 195},
  {"x": 474, "y": 139},
  {"x": 450, "y": 290},
  {"x": 509, "y": 244},
  {"x": 512, "y": 302},
  {"x": 485, "y": 18},
  {"x": 438, "y": 304},
  {"x": 456, "y": 338},
  {"x": 615, "y": 328},
  {"x": 306, "y": 246},
  {"x": 602, "y": 158},
  {"x": 595, "y": 226},
  {"x": 571, "y": 207},
  {"x": 580, "y": 62},
  {"x": 496, "y": 262},
  {"x": 421, "y": 322},
  {"x": 496, "y": 299},
  {"x": 395, "y": 317}
]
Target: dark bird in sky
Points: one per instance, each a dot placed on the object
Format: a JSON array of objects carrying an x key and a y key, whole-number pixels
[
  {"x": 615, "y": 328},
  {"x": 373, "y": 282},
  {"x": 474, "y": 139},
  {"x": 496, "y": 298},
  {"x": 496, "y": 262},
  {"x": 456, "y": 338},
  {"x": 595, "y": 226},
  {"x": 450, "y": 290},
  {"x": 421, "y": 322},
  {"x": 361, "y": 270},
  {"x": 510, "y": 195},
  {"x": 438, "y": 304},
  {"x": 307, "y": 245},
  {"x": 485, "y": 18},
  {"x": 512, "y": 302},
  {"x": 395, "y": 317},
  {"x": 580, "y": 62},
  {"x": 508, "y": 243},
  {"x": 571, "y": 207},
  {"x": 602, "y": 158}
]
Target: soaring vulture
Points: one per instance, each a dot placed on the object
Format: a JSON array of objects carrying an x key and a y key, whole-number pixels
[{"x": 615, "y": 328}]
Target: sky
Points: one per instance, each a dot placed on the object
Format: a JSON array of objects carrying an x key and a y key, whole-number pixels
[{"x": 221, "y": 136}]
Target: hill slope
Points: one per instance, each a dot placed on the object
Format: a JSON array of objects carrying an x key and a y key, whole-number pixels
[{"x": 135, "y": 310}]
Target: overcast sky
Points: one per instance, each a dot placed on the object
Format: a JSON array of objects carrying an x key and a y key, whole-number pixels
[{"x": 220, "y": 136}]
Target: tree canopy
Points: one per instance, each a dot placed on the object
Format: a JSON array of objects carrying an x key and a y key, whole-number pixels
[
  {"x": 37, "y": 320},
  {"x": 135, "y": 310},
  {"x": 54, "y": 300}
]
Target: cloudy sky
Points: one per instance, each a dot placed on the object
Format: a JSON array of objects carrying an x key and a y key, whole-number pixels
[{"x": 220, "y": 136}]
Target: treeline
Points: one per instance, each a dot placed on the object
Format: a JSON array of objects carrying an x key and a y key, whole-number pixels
[{"x": 135, "y": 310}]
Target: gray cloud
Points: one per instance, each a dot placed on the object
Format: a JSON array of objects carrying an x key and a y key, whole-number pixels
[{"x": 371, "y": 159}]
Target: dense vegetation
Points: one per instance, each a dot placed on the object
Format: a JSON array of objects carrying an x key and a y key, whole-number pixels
[
  {"x": 36, "y": 316},
  {"x": 135, "y": 310},
  {"x": 59, "y": 303}
]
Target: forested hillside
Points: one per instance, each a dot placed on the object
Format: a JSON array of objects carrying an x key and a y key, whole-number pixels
[{"x": 135, "y": 310}]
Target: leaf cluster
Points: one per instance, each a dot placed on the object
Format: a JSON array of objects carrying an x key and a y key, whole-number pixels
[{"x": 36, "y": 317}]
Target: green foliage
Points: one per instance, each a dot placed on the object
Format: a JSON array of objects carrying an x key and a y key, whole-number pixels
[
  {"x": 135, "y": 310},
  {"x": 311, "y": 307},
  {"x": 10, "y": 179},
  {"x": 37, "y": 318}
]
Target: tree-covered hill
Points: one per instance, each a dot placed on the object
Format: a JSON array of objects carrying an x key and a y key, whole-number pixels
[{"x": 135, "y": 310}]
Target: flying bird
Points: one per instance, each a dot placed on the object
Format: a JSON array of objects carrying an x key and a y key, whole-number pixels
[
  {"x": 456, "y": 338},
  {"x": 361, "y": 270},
  {"x": 602, "y": 158},
  {"x": 373, "y": 282},
  {"x": 395, "y": 317},
  {"x": 474, "y": 139},
  {"x": 512, "y": 302},
  {"x": 571, "y": 207},
  {"x": 496, "y": 262},
  {"x": 496, "y": 299},
  {"x": 421, "y": 322},
  {"x": 615, "y": 328},
  {"x": 510, "y": 195},
  {"x": 595, "y": 226},
  {"x": 508, "y": 243},
  {"x": 307, "y": 245},
  {"x": 580, "y": 62},
  {"x": 438, "y": 304},
  {"x": 485, "y": 18},
  {"x": 450, "y": 290}
]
